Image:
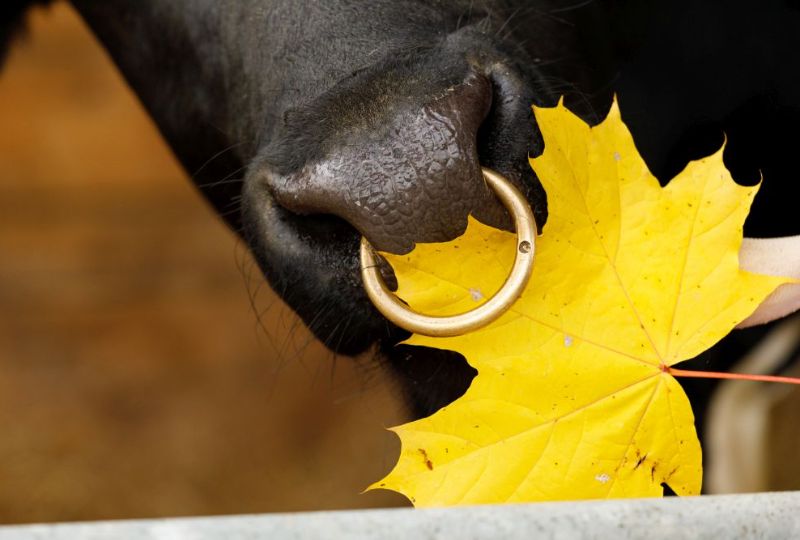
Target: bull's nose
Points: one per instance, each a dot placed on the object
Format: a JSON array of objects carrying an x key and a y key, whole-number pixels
[{"x": 399, "y": 162}]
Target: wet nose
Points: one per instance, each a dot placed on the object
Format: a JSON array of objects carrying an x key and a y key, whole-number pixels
[{"x": 399, "y": 168}]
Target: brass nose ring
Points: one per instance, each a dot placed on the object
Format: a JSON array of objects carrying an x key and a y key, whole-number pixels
[{"x": 404, "y": 317}]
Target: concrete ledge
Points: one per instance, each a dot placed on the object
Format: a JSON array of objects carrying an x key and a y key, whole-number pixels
[{"x": 768, "y": 515}]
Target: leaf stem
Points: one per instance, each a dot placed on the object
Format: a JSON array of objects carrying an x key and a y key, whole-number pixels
[{"x": 736, "y": 376}]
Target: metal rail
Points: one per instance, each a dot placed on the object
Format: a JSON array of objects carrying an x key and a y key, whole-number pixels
[{"x": 767, "y": 515}]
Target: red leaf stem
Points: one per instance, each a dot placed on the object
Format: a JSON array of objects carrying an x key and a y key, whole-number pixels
[{"x": 736, "y": 376}]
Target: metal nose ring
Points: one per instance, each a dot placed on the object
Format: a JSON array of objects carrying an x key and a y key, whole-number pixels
[{"x": 404, "y": 317}]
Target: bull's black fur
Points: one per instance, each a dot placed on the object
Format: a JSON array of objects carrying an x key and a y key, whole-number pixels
[{"x": 272, "y": 87}]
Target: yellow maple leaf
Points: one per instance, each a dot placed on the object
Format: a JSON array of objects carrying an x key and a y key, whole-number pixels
[{"x": 573, "y": 397}]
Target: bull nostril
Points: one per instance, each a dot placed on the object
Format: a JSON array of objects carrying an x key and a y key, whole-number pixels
[
  {"x": 510, "y": 125},
  {"x": 406, "y": 168},
  {"x": 509, "y": 134}
]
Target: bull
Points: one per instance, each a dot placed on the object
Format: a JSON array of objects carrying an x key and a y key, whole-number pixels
[{"x": 308, "y": 124}]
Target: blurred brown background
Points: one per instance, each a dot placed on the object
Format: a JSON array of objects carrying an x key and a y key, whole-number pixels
[{"x": 135, "y": 380}]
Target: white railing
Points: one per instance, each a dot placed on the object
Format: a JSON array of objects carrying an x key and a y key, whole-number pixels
[{"x": 767, "y": 515}]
